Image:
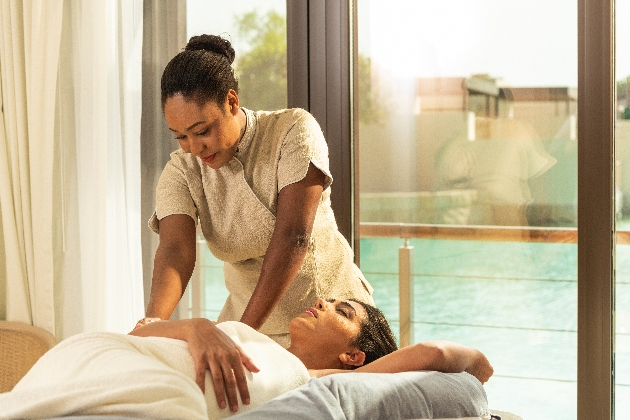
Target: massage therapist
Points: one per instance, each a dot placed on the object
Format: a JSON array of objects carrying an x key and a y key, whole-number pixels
[{"x": 258, "y": 183}]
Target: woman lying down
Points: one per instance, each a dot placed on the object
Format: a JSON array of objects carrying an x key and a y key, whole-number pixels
[{"x": 152, "y": 374}]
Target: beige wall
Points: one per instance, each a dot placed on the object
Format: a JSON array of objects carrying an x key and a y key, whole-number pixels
[{"x": 547, "y": 117}]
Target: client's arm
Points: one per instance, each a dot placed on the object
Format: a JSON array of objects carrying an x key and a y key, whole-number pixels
[
  {"x": 442, "y": 356},
  {"x": 211, "y": 349}
]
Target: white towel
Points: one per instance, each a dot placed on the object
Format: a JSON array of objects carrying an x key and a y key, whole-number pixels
[{"x": 149, "y": 377}]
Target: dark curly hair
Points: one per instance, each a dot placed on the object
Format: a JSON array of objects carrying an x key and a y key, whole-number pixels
[
  {"x": 202, "y": 72},
  {"x": 375, "y": 337}
]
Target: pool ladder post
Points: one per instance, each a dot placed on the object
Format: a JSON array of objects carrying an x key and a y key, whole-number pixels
[{"x": 405, "y": 290}]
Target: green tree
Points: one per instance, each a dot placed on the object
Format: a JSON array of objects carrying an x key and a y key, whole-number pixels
[
  {"x": 371, "y": 109},
  {"x": 623, "y": 87},
  {"x": 262, "y": 70},
  {"x": 623, "y": 93}
]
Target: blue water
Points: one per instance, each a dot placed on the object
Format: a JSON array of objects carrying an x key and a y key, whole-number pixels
[{"x": 516, "y": 302}]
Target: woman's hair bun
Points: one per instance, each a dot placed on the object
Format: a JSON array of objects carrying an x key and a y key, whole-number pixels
[{"x": 212, "y": 43}]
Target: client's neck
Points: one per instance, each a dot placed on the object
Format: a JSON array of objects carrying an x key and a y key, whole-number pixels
[{"x": 314, "y": 359}]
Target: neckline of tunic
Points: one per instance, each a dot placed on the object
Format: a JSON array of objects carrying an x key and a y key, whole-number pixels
[{"x": 250, "y": 130}]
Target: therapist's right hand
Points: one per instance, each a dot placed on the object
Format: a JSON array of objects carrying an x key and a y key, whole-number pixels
[{"x": 213, "y": 350}]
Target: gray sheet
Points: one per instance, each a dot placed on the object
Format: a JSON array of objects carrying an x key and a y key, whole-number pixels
[
  {"x": 408, "y": 395},
  {"x": 371, "y": 396}
]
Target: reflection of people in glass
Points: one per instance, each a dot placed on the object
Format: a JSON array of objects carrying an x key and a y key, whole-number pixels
[
  {"x": 259, "y": 185},
  {"x": 108, "y": 373},
  {"x": 499, "y": 164}
]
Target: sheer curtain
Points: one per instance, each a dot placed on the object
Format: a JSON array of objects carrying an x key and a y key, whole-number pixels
[
  {"x": 70, "y": 171},
  {"x": 29, "y": 53}
]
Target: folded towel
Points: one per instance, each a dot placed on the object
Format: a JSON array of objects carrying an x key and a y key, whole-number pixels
[{"x": 148, "y": 377}]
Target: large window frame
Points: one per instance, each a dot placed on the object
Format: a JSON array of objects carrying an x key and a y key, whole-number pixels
[
  {"x": 320, "y": 52},
  {"x": 319, "y": 79},
  {"x": 596, "y": 239}
]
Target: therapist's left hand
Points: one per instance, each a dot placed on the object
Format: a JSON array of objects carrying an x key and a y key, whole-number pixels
[{"x": 212, "y": 349}]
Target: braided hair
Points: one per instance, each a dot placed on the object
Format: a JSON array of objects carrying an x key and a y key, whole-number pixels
[
  {"x": 202, "y": 72},
  {"x": 375, "y": 337}
]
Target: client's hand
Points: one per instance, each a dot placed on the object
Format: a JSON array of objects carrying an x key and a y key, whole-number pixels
[
  {"x": 211, "y": 349},
  {"x": 481, "y": 368}
]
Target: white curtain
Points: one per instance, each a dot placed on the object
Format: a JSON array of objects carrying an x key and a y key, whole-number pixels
[
  {"x": 29, "y": 54},
  {"x": 70, "y": 180}
]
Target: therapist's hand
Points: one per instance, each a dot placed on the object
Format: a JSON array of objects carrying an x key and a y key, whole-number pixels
[{"x": 210, "y": 349}]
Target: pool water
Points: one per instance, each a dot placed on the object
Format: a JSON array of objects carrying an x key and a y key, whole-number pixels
[{"x": 515, "y": 301}]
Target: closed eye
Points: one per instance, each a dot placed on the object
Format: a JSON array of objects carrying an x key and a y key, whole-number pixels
[
  {"x": 342, "y": 307},
  {"x": 203, "y": 133},
  {"x": 347, "y": 308}
]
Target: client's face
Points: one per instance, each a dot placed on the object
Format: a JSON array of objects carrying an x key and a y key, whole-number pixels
[{"x": 328, "y": 327}]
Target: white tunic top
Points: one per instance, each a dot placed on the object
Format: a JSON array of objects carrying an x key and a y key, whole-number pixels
[{"x": 236, "y": 207}]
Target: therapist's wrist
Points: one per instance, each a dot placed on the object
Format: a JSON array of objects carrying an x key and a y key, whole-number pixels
[
  {"x": 251, "y": 321},
  {"x": 146, "y": 320}
]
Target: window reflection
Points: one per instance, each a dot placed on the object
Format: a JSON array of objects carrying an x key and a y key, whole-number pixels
[{"x": 482, "y": 154}]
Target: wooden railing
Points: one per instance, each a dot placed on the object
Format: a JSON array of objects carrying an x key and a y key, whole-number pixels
[{"x": 478, "y": 233}]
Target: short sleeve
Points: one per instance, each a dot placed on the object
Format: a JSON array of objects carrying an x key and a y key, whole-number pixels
[
  {"x": 172, "y": 195},
  {"x": 303, "y": 144}
]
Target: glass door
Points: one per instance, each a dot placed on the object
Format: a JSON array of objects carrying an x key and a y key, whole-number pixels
[
  {"x": 622, "y": 191},
  {"x": 467, "y": 150}
]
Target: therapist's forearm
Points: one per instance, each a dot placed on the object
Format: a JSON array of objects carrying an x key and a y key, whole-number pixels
[
  {"x": 281, "y": 264},
  {"x": 297, "y": 206},
  {"x": 171, "y": 272}
]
